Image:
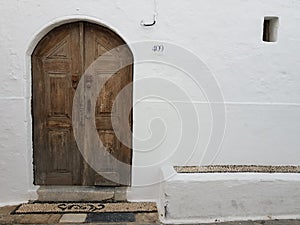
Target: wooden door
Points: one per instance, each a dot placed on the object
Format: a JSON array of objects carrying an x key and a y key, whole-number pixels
[{"x": 58, "y": 63}]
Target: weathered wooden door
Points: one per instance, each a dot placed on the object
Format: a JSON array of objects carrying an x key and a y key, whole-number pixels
[{"x": 58, "y": 63}]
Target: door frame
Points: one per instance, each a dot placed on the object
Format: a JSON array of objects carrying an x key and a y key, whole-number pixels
[{"x": 28, "y": 92}]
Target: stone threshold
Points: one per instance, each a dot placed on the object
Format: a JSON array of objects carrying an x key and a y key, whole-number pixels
[
  {"x": 237, "y": 169},
  {"x": 81, "y": 194}
]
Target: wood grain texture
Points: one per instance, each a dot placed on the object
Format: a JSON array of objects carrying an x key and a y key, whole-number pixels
[{"x": 58, "y": 63}]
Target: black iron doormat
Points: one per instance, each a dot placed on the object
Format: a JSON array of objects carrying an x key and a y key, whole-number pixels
[{"x": 84, "y": 207}]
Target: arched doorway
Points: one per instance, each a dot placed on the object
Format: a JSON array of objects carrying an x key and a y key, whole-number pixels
[{"x": 58, "y": 62}]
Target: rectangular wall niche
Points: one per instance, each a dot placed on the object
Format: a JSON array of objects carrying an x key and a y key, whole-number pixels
[{"x": 270, "y": 29}]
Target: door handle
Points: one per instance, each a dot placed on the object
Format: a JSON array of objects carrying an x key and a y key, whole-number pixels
[{"x": 75, "y": 79}]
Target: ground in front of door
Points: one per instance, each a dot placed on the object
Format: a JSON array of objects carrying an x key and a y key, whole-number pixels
[{"x": 128, "y": 218}]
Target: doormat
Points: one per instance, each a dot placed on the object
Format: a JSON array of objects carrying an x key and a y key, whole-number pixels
[
  {"x": 110, "y": 217},
  {"x": 84, "y": 207}
]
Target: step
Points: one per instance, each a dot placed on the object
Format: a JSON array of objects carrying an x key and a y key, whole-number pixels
[
  {"x": 190, "y": 196},
  {"x": 81, "y": 193}
]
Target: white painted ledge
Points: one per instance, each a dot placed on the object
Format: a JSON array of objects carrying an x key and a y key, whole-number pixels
[{"x": 211, "y": 197}]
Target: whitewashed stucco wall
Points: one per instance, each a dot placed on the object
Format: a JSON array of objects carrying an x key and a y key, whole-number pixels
[{"x": 260, "y": 81}]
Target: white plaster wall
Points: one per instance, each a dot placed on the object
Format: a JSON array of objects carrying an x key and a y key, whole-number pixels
[
  {"x": 218, "y": 197},
  {"x": 260, "y": 81}
]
